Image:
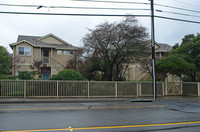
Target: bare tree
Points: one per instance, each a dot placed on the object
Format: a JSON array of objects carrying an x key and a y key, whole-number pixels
[
  {"x": 146, "y": 65},
  {"x": 15, "y": 61},
  {"x": 116, "y": 44},
  {"x": 76, "y": 61},
  {"x": 37, "y": 64}
]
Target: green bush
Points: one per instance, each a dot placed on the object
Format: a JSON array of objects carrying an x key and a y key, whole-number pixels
[
  {"x": 26, "y": 75},
  {"x": 7, "y": 77},
  {"x": 68, "y": 74}
]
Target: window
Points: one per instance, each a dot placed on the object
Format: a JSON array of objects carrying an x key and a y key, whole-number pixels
[
  {"x": 46, "y": 53},
  {"x": 59, "y": 52},
  {"x": 24, "y": 51},
  {"x": 66, "y": 52}
]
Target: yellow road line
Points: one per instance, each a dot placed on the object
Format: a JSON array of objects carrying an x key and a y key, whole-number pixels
[
  {"x": 106, "y": 127},
  {"x": 125, "y": 107},
  {"x": 45, "y": 108}
]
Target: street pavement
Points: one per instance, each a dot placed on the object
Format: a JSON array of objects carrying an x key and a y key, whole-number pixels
[{"x": 169, "y": 114}]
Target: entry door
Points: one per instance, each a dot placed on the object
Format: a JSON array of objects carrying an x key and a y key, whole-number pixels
[
  {"x": 46, "y": 54},
  {"x": 45, "y": 75}
]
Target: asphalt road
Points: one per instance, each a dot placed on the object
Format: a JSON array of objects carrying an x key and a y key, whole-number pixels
[{"x": 166, "y": 116}]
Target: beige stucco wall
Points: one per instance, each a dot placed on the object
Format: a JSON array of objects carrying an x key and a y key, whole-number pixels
[
  {"x": 56, "y": 69},
  {"x": 51, "y": 40},
  {"x": 24, "y": 58},
  {"x": 37, "y": 53},
  {"x": 63, "y": 59},
  {"x": 22, "y": 68},
  {"x": 134, "y": 72},
  {"x": 23, "y": 62}
]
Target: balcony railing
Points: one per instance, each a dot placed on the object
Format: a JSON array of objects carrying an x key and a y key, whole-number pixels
[{"x": 46, "y": 60}]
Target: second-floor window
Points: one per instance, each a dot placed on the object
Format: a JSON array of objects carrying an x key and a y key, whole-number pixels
[
  {"x": 66, "y": 52},
  {"x": 59, "y": 52},
  {"x": 24, "y": 51}
]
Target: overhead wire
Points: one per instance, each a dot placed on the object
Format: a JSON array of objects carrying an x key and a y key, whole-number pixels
[
  {"x": 103, "y": 8},
  {"x": 125, "y": 2},
  {"x": 186, "y": 3},
  {"x": 176, "y": 13},
  {"x": 111, "y": 15},
  {"x": 106, "y": 1},
  {"x": 68, "y": 14},
  {"x": 100, "y": 8},
  {"x": 76, "y": 7},
  {"x": 178, "y": 8},
  {"x": 117, "y": 15}
]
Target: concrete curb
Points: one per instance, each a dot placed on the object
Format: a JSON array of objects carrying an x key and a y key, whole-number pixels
[
  {"x": 83, "y": 100},
  {"x": 79, "y": 100}
]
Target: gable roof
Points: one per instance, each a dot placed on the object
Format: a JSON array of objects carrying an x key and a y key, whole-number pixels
[
  {"x": 35, "y": 41},
  {"x": 163, "y": 48},
  {"x": 50, "y": 34}
]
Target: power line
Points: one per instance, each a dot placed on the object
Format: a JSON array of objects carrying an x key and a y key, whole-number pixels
[
  {"x": 186, "y": 3},
  {"x": 176, "y": 19},
  {"x": 125, "y": 2},
  {"x": 105, "y": 1},
  {"x": 178, "y": 13},
  {"x": 68, "y": 14},
  {"x": 97, "y": 15},
  {"x": 100, "y": 8},
  {"x": 173, "y": 7}
]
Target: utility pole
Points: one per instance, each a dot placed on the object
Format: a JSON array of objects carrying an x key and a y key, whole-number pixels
[
  {"x": 153, "y": 50},
  {"x": 153, "y": 59}
]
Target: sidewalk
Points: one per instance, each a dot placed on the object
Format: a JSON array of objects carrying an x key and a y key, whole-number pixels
[{"x": 78, "y": 100}]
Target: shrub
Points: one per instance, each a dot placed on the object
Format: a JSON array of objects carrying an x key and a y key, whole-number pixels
[
  {"x": 26, "y": 75},
  {"x": 68, "y": 74},
  {"x": 7, "y": 77}
]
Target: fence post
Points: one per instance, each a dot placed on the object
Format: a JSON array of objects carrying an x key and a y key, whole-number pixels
[
  {"x": 198, "y": 90},
  {"x": 1, "y": 89},
  {"x": 57, "y": 88},
  {"x": 140, "y": 89},
  {"x": 88, "y": 89},
  {"x": 24, "y": 89},
  {"x": 181, "y": 87},
  {"x": 166, "y": 88},
  {"x": 163, "y": 89},
  {"x": 116, "y": 89},
  {"x": 137, "y": 89}
]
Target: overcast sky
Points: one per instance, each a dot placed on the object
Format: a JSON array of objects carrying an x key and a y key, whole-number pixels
[{"x": 73, "y": 28}]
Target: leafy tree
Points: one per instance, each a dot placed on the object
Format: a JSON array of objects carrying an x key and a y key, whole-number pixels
[
  {"x": 26, "y": 75},
  {"x": 68, "y": 74},
  {"x": 176, "y": 46},
  {"x": 114, "y": 45},
  {"x": 4, "y": 61},
  {"x": 187, "y": 38},
  {"x": 174, "y": 65},
  {"x": 190, "y": 52}
]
